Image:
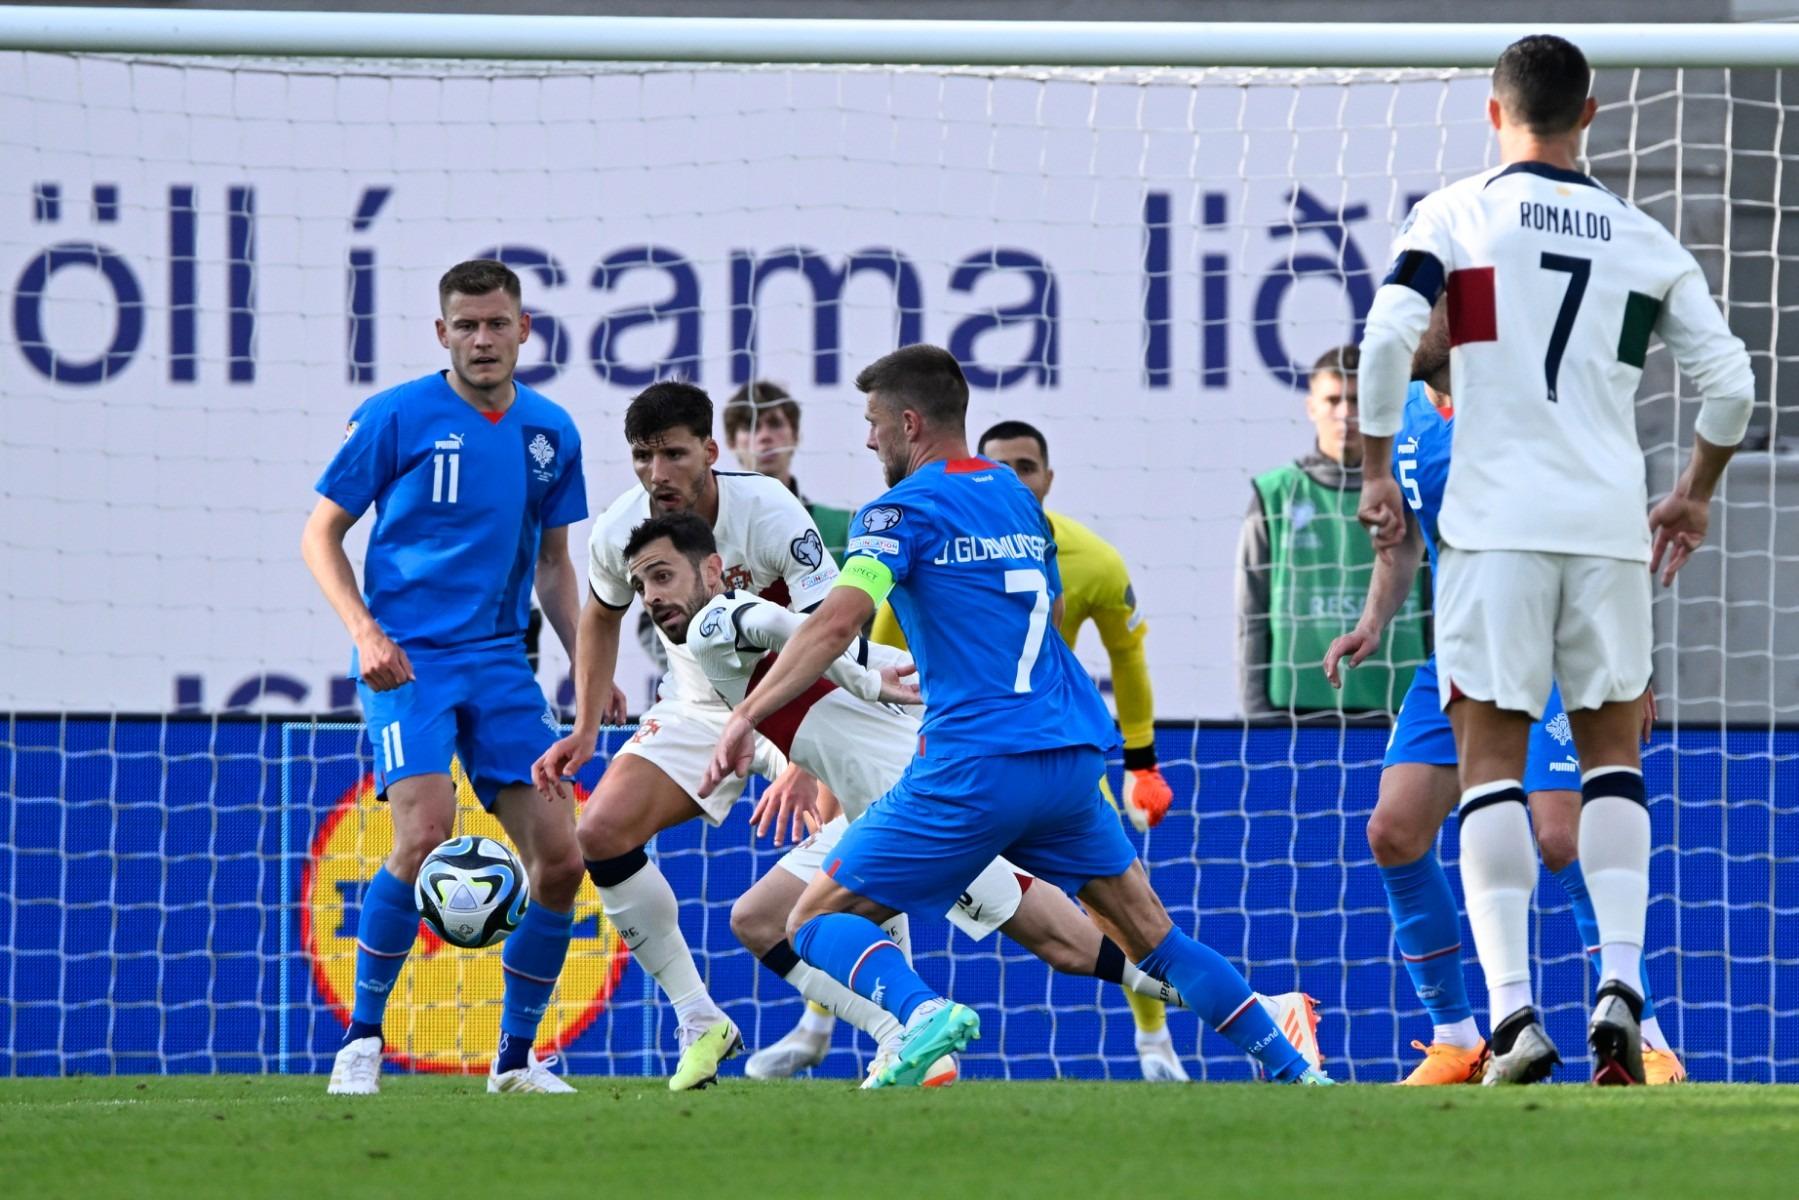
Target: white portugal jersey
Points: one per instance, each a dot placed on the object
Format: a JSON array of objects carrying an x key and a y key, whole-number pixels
[
  {"x": 765, "y": 537},
  {"x": 834, "y": 729},
  {"x": 1555, "y": 286}
]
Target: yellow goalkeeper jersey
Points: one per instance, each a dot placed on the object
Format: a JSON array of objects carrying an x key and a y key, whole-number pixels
[{"x": 1095, "y": 587}]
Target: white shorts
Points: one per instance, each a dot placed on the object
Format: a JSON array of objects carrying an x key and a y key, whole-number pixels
[
  {"x": 990, "y": 901},
  {"x": 1509, "y": 622},
  {"x": 679, "y": 737}
]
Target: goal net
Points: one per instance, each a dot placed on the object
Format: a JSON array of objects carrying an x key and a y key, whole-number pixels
[{"x": 209, "y": 262}]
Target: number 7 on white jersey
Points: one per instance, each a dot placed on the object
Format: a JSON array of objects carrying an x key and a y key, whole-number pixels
[{"x": 1030, "y": 579}]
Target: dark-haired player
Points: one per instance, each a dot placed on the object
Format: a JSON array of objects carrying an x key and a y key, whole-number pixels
[
  {"x": 770, "y": 547},
  {"x": 475, "y": 479},
  {"x": 1555, "y": 287},
  {"x": 1013, "y": 743},
  {"x": 1417, "y": 783}
]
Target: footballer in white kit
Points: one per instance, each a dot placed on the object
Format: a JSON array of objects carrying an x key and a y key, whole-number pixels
[
  {"x": 841, "y": 731},
  {"x": 769, "y": 545},
  {"x": 1555, "y": 287}
]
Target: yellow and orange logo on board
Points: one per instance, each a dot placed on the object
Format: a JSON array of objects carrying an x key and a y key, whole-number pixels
[{"x": 444, "y": 1011}]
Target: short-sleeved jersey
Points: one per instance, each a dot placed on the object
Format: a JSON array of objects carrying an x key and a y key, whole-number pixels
[
  {"x": 767, "y": 540},
  {"x": 1421, "y": 461},
  {"x": 973, "y": 567},
  {"x": 1555, "y": 286},
  {"x": 461, "y": 504},
  {"x": 835, "y": 729},
  {"x": 1097, "y": 587}
]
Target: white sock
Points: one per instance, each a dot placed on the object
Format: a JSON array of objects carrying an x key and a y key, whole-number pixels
[
  {"x": 1499, "y": 873},
  {"x": 1653, "y": 1036},
  {"x": 865, "y": 1015},
  {"x": 644, "y": 911},
  {"x": 925, "y": 1011},
  {"x": 1463, "y": 1034},
  {"x": 1154, "y": 1037},
  {"x": 1147, "y": 985},
  {"x": 811, "y": 1020},
  {"x": 1504, "y": 999},
  {"x": 1614, "y": 856}
]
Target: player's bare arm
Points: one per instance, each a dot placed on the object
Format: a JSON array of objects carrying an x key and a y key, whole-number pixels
[
  {"x": 1388, "y": 588},
  {"x": 383, "y": 665},
  {"x": 597, "y": 701},
  {"x": 558, "y": 587},
  {"x": 827, "y": 633},
  {"x": 1680, "y": 519}
]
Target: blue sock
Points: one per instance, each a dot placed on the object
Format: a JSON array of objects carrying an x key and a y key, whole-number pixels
[
  {"x": 1574, "y": 884},
  {"x": 532, "y": 959},
  {"x": 1221, "y": 997},
  {"x": 388, "y": 926},
  {"x": 1428, "y": 930},
  {"x": 856, "y": 953}
]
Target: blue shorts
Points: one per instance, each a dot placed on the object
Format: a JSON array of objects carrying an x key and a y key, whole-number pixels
[
  {"x": 1421, "y": 734},
  {"x": 483, "y": 706},
  {"x": 920, "y": 844}
]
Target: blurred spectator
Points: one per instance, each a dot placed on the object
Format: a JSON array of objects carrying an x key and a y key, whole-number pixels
[
  {"x": 762, "y": 428},
  {"x": 1303, "y": 566}
]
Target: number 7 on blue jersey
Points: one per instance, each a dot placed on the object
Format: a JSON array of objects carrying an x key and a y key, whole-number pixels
[{"x": 1030, "y": 579}]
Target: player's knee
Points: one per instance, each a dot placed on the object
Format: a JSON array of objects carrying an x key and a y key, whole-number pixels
[
  {"x": 412, "y": 844},
  {"x": 1393, "y": 841},
  {"x": 556, "y": 881},
  {"x": 602, "y": 838},
  {"x": 756, "y": 928},
  {"x": 1558, "y": 844}
]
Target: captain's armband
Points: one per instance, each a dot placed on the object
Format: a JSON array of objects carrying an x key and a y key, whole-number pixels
[{"x": 867, "y": 575}]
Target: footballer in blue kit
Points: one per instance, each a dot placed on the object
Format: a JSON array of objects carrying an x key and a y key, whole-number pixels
[
  {"x": 1418, "y": 782},
  {"x": 1013, "y": 744},
  {"x": 475, "y": 480}
]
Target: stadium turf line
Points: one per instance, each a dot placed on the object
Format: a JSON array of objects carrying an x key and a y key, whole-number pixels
[{"x": 249, "y": 1136}]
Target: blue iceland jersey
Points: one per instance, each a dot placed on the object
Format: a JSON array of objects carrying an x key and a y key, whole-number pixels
[
  {"x": 1421, "y": 462},
  {"x": 461, "y": 505},
  {"x": 974, "y": 569}
]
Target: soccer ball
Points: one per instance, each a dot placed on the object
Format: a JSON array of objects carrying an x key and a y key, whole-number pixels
[{"x": 472, "y": 891}]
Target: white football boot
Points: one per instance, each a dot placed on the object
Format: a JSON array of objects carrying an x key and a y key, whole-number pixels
[
  {"x": 800, "y": 1050},
  {"x": 1156, "y": 1056},
  {"x": 1529, "y": 1056},
  {"x": 356, "y": 1071},
  {"x": 537, "y": 1075}
]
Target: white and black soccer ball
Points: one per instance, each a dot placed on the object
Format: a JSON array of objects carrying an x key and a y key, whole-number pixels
[{"x": 472, "y": 891}]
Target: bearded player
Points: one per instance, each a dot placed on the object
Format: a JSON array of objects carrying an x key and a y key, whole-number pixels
[
  {"x": 1098, "y": 590},
  {"x": 1555, "y": 287},
  {"x": 1417, "y": 785},
  {"x": 1013, "y": 743},
  {"x": 769, "y": 546},
  {"x": 857, "y": 747},
  {"x": 475, "y": 479}
]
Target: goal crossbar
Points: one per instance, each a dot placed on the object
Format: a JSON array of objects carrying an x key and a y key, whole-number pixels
[{"x": 889, "y": 42}]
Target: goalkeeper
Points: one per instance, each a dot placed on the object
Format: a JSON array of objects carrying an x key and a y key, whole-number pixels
[{"x": 1098, "y": 589}]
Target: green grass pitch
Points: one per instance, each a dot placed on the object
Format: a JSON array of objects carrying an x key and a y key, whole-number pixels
[{"x": 242, "y": 1136}]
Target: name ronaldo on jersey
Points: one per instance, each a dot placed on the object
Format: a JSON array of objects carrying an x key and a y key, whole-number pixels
[{"x": 1559, "y": 218}]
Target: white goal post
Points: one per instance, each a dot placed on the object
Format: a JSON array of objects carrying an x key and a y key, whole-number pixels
[{"x": 222, "y": 229}]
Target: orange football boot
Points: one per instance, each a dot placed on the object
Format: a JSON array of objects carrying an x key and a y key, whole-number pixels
[
  {"x": 1662, "y": 1066},
  {"x": 1445, "y": 1064}
]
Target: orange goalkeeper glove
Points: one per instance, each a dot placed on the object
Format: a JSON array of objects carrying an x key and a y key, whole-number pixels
[{"x": 1146, "y": 794}]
